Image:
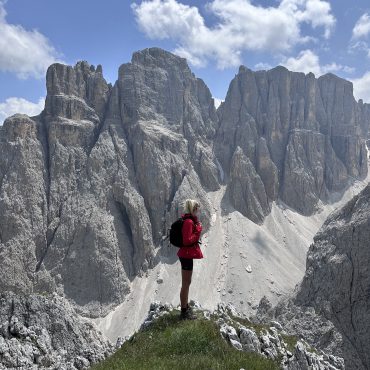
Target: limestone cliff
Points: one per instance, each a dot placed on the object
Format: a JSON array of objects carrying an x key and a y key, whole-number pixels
[
  {"x": 39, "y": 332},
  {"x": 330, "y": 307},
  {"x": 304, "y": 137},
  {"x": 337, "y": 280}
]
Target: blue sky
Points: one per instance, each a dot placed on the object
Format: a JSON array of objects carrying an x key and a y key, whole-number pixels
[{"x": 215, "y": 36}]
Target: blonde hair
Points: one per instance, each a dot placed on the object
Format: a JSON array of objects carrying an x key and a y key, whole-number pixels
[{"x": 190, "y": 205}]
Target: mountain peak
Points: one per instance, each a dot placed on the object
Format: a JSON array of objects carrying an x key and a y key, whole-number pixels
[{"x": 159, "y": 56}]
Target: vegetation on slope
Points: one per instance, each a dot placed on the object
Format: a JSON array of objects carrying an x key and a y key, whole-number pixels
[{"x": 171, "y": 343}]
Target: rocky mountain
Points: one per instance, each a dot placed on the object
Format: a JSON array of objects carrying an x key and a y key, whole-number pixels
[
  {"x": 331, "y": 304},
  {"x": 337, "y": 281},
  {"x": 89, "y": 187},
  {"x": 289, "y": 136},
  {"x": 39, "y": 332}
]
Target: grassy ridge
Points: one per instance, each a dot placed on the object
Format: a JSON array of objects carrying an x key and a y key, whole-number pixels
[{"x": 171, "y": 343}]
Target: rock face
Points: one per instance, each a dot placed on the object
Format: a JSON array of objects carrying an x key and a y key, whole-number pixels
[
  {"x": 245, "y": 183},
  {"x": 38, "y": 332},
  {"x": 89, "y": 187},
  {"x": 305, "y": 322},
  {"x": 337, "y": 280},
  {"x": 304, "y": 137},
  {"x": 169, "y": 118},
  {"x": 270, "y": 341},
  {"x": 331, "y": 306}
]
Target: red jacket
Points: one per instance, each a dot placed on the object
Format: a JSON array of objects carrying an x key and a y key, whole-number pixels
[{"x": 190, "y": 235}]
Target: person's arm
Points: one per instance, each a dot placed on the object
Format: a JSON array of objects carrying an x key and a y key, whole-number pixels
[{"x": 188, "y": 237}]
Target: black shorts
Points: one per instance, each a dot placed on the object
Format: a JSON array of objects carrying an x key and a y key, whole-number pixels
[{"x": 186, "y": 263}]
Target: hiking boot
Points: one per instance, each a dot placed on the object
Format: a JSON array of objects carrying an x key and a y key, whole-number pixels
[
  {"x": 187, "y": 313},
  {"x": 190, "y": 308}
]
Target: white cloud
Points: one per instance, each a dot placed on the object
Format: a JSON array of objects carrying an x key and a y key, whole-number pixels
[
  {"x": 307, "y": 61},
  {"x": 359, "y": 45},
  {"x": 315, "y": 12},
  {"x": 164, "y": 19},
  {"x": 241, "y": 26},
  {"x": 25, "y": 53},
  {"x": 217, "y": 101},
  {"x": 362, "y": 27},
  {"x": 263, "y": 66},
  {"x": 361, "y": 87},
  {"x": 360, "y": 32},
  {"x": 19, "y": 105},
  {"x": 348, "y": 69}
]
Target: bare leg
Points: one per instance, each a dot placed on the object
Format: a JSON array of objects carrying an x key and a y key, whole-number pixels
[{"x": 184, "y": 292}]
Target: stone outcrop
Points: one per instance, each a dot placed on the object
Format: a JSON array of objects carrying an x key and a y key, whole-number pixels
[
  {"x": 39, "y": 332},
  {"x": 304, "y": 137},
  {"x": 330, "y": 307},
  {"x": 304, "y": 322},
  {"x": 271, "y": 341},
  {"x": 337, "y": 281}
]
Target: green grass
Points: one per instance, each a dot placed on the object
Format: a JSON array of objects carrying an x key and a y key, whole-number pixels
[
  {"x": 171, "y": 343},
  {"x": 290, "y": 340}
]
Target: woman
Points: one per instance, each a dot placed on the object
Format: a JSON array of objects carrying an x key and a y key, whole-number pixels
[{"x": 191, "y": 229}]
